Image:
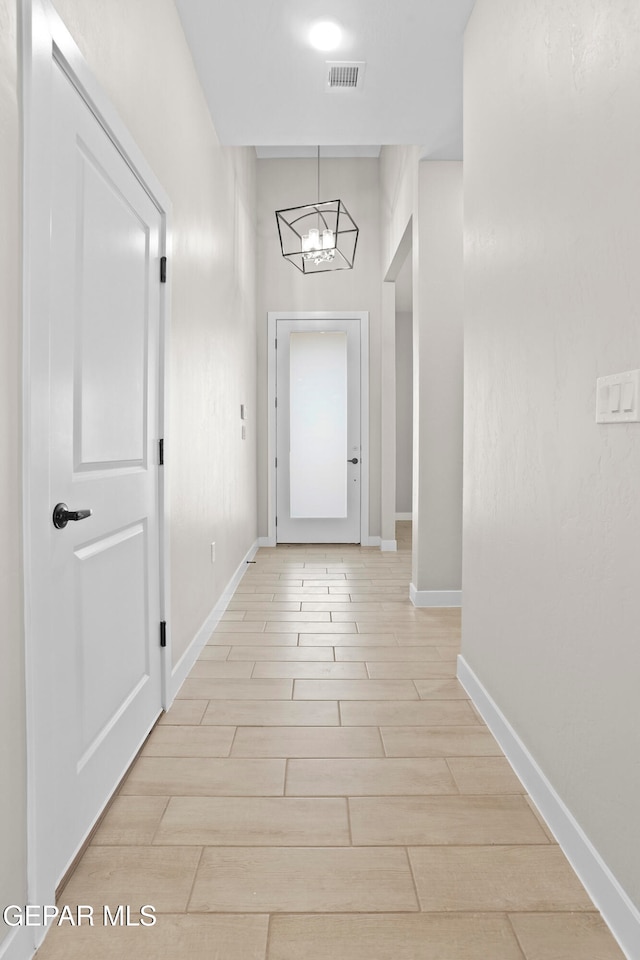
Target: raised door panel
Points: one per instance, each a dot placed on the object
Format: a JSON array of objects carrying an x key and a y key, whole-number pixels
[
  {"x": 111, "y": 322},
  {"x": 112, "y": 632}
]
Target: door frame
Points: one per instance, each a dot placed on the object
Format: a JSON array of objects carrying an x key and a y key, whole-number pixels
[
  {"x": 357, "y": 316},
  {"x": 46, "y": 44}
]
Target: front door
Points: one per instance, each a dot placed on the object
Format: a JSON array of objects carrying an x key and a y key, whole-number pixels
[
  {"x": 102, "y": 653},
  {"x": 318, "y": 431}
]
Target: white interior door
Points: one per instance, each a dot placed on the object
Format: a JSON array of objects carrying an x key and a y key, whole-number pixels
[
  {"x": 103, "y": 661},
  {"x": 318, "y": 489}
]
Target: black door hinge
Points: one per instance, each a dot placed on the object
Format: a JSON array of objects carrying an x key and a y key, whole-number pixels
[
  {"x": 161, "y": 453},
  {"x": 163, "y": 269},
  {"x": 163, "y": 633},
  {"x": 276, "y": 343},
  {"x": 276, "y": 521},
  {"x": 276, "y": 401}
]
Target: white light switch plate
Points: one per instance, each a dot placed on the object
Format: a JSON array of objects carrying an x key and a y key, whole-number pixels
[{"x": 617, "y": 398}]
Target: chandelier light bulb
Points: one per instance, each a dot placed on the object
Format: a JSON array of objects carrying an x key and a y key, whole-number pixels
[{"x": 328, "y": 239}]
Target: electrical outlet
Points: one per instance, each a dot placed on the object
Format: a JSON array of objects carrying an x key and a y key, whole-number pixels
[{"x": 213, "y": 553}]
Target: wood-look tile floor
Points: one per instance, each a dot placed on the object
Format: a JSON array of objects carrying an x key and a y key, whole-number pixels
[{"x": 322, "y": 787}]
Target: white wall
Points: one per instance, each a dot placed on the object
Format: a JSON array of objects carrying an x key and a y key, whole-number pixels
[
  {"x": 404, "y": 412},
  {"x": 423, "y": 201},
  {"x": 552, "y": 504},
  {"x": 289, "y": 183},
  {"x": 438, "y": 374},
  {"x": 398, "y": 198},
  {"x": 12, "y": 722},
  {"x": 139, "y": 54},
  {"x": 137, "y": 51}
]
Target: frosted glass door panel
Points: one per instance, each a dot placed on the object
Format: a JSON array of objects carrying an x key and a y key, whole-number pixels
[
  {"x": 318, "y": 452},
  {"x": 318, "y": 425}
]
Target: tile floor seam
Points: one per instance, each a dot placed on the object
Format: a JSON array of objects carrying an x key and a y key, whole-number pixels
[
  {"x": 384, "y": 747},
  {"x": 267, "y": 945},
  {"x": 155, "y": 832},
  {"x": 413, "y": 880},
  {"x": 233, "y": 740},
  {"x": 349, "y": 826},
  {"x": 516, "y": 937},
  {"x": 193, "y": 881}
]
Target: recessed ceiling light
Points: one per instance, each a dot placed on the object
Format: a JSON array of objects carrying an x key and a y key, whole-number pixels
[{"x": 325, "y": 35}]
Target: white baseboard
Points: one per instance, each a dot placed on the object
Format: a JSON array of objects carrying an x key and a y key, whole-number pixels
[
  {"x": 619, "y": 913},
  {"x": 18, "y": 944},
  {"x": 370, "y": 542},
  {"x": 387, "y": 545},
  {"x": 404, "y": 516},
  {"x": 183, "y": 667},
  {"x": 435, "y": 598},
  {"x": 365, "y": 542}
]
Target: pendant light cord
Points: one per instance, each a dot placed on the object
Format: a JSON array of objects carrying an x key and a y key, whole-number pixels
[{"x": 318, "y": 173}]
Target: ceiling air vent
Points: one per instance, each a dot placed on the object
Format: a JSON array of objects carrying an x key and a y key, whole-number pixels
[{"x": 345, "y": 75}]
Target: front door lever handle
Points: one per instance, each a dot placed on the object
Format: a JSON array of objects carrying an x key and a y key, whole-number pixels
[
  {"x": 353, "y": 460},
  {"x": 62, "y": 515}
]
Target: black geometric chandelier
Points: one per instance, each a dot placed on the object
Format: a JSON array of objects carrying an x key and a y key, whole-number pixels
[{"x": 318, "y": 237}]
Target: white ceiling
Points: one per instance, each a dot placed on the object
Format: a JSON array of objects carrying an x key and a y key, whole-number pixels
[{"x": 265, "y": 84}]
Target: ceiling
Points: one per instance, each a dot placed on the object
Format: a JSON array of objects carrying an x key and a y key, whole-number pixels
[{"x": 266, "y": 85}]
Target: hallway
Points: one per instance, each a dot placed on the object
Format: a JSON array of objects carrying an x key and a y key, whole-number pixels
[{"x": 321, "y": 788}]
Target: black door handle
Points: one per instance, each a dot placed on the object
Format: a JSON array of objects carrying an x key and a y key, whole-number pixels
[
  {"x": 62, "y": 515},
  {"x": 353, "y": 460}
]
